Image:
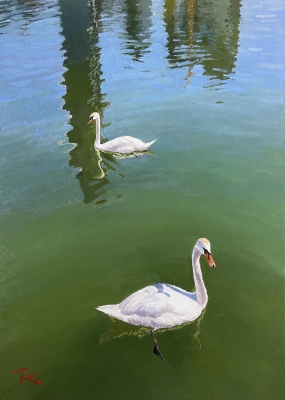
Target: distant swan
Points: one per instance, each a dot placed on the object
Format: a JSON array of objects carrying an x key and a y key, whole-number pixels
[
  {"x": 162, "y": 305},
  {"x": 122, "y": 144}
]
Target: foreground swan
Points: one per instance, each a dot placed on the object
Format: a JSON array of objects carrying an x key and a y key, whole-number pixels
[
  {"x": 163, "y": 305},
  {"x": 122, "y": 144}
]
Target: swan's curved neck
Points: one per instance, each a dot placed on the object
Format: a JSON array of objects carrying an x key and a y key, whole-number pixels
[
  {"x": 201, "y": 291},
  {"x": 98, "y": 133}
]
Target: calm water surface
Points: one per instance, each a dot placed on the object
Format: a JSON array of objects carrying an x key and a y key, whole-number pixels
[{"x": 80, "y": 229}]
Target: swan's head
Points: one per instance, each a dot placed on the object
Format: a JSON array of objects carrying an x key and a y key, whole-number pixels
[
  {"x": 93, "y": 117},
  {"x": 204, "y": 246}
]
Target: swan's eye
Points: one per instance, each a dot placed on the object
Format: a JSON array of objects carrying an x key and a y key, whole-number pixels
[{"x": 206, "y": 252}]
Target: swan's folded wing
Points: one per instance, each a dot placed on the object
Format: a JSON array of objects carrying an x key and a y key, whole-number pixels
[
  {"x": 123, "y": 144},
  {"x": 128, "y": 140},
  {"x": 145, "y": 302},
  {"x": 134, "y": 143},
  {"x": 158, "y": 300}
]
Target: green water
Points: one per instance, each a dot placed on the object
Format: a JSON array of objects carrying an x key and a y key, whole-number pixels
[{"x": 80, "y": 229}]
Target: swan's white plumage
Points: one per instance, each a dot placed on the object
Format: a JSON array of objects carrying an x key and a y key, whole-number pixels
[
  {"x": 122, "y": 144},
  {"x": 163, "y": 305},
  {"x": 156, "y": 306}
]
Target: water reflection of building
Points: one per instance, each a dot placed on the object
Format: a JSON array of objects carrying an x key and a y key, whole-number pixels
[
  {"x": 219, "y": 22},
  {"x": 83, "y": 79},
  {"x": 203, "y": 32},
  {"x": 137, "y": 27}
]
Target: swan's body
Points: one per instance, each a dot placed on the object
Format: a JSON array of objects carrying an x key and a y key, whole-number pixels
[
  {"x": 163, "y": 305},
  {"x": 122, "y": 144}
]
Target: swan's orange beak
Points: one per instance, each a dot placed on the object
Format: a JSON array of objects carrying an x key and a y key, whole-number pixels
[
  {"x": 210, "y": 260},
  {"x": 90, "y": 120}
]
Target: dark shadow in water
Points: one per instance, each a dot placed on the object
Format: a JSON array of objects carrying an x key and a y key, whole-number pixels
[
  {"x": 137, "y": 26},
  {"x": 203, "y": 32},
  {"x": 83, "y": 79}
]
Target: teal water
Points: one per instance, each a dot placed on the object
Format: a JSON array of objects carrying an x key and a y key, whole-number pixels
[{"x": 81, "y": 229}]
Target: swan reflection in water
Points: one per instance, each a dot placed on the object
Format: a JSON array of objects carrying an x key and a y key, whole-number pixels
[
  {"x": 93, "y": 172},
  {"x": 164, "y": 306},
  {"x": 118, "y": 329},
  {"x": 100, "y": 172}
]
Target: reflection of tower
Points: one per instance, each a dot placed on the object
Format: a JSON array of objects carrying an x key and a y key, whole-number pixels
[
  {"x": 218, "y": 23},
  {"x": 202, "y": 32},
  {"x": 172, "y": 35},
  {"x": 83, "y": 87},
  {"x": 95, "y": 74},
  {"x": 179, "y": 26},
  {"x": 190, "y": 14},
  {"x": 137, "y": 24}
]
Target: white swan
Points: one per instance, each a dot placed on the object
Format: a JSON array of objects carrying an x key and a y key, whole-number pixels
[
  {"x": 122, "y": 144},
  {"x": 162, "y": 305}
]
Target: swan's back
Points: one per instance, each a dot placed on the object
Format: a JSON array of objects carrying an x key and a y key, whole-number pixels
[
  {"x": 156, "y": 306},
  {"x": 125, "y": 144}
]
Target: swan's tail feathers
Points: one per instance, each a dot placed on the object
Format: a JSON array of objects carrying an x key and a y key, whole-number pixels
[
  {"x": 150, "y": 143},
  {"x": 112, "y": 310}
]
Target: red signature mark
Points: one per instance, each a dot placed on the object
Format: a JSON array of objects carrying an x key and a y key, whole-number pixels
[{"x": 30, "y": 377}]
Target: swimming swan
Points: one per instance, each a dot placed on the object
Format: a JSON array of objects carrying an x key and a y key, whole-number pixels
[
  {"x": 162, "y": 305},
  {"x": 122, "y": 144}
]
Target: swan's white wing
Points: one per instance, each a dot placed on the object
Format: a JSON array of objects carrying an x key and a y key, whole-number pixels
[
  {"x": 146, "y": 302},
  {"x": 121, "y": 142},
  {"x": 137, "y": 144},
  {"x": 160, "y": 306},
  {"x": 129, "y": 140},
  {"x": 124, "y": 144}
]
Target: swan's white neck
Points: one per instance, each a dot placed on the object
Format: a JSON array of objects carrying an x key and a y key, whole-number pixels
[
  {"x": 98, "y": 132},
  {"x": 201, "y": 291}
]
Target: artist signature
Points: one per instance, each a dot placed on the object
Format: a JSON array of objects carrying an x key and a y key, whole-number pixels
[{"x": 23, "y": 377}]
